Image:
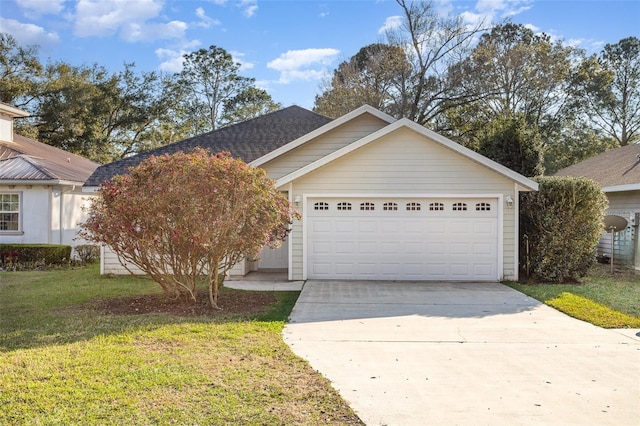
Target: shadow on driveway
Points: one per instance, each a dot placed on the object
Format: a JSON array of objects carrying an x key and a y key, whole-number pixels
[{"x": 416, "y": 353}]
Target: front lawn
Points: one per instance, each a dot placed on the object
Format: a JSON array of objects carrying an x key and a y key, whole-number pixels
[
  {"x": 65, "y": 359},
  {"x": 605, "y": 300}
]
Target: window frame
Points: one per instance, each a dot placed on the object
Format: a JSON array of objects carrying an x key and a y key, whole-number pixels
[{"x": 19, "y": 212}]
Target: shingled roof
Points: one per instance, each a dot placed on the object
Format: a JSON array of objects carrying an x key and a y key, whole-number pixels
[
  {"x": 247, "y": 140},
  {"x": 24, "y": 159},
  {"x": 616, "y": 167}
]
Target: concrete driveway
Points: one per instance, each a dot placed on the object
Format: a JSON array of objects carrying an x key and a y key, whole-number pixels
[{"x": 404, "y": 353}]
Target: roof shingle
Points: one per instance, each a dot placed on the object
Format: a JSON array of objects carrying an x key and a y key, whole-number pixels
[
  {"x": 620, "y": 166},
  {"x": 247, "y": 140}
]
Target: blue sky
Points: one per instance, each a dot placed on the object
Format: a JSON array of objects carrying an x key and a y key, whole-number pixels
[{"x": 287, "y": 46}]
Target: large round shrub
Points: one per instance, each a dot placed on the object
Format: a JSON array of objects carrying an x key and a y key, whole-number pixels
[{"x": 562, "y": 223}]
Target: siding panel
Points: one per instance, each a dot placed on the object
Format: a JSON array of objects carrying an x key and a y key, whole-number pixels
[
  {"x": 407, "y": 163},
  {"x": 323, "y": 145}
]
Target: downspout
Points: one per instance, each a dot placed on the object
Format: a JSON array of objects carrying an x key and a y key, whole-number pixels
[{"x": 61, "y": 209}]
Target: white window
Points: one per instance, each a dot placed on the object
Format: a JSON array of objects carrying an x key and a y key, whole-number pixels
[
  {"x": 321, "y": 206},
  {"x": 436, "y": 207},
  {"x": 390, "y": 206},
  {"x": 9, "y": 212},
  {"x": 413, "y": 206},
  {"x": 459, "y": 207},
  {"x": 367, "y": 206},
  {"x": 344, "y": 206},
  {"x": 483, "y": 207}
]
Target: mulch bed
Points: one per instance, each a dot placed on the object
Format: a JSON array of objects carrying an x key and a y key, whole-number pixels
[{"x": 231, "y": 302}]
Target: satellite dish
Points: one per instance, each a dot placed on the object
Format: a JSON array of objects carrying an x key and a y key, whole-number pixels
[{"x": 614, "y": 223}]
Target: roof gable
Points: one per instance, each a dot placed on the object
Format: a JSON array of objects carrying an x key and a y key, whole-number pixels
[
  {"x": 523, "y": 182},
  {"x": 247, "y": 140},
  {"x": 619, "y": 167},
  {"x": 365, "y": 109}
]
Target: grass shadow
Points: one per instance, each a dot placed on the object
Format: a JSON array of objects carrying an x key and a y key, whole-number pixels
[{"x": 61, "y": 307}]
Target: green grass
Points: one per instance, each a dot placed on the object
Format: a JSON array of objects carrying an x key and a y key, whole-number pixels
[
  {"x": 63, "y": 363},
  {"x": 603, "y": 299}
]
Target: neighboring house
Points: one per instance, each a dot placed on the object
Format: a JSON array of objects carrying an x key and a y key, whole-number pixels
[
  {"x": 618, "y": 173},
  {"x": 41, "y": 194},
  {"x": 380, "y": 198}
]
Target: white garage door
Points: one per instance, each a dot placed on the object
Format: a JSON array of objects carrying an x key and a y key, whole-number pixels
[{"x": 402, "y": 239}]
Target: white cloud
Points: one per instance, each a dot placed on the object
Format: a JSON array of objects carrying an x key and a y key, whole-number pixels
[
  {"x": 134, "y": 32},
  {"x": 489, "y": 11},
  {"x": 29, "y": 34},
  {"x": 40, "y": 7},
  {"x": 391, "y": 23},
  {"x": 172, "y": 60},
  {"x": 128, "y": 19},
  {"x": 244, "y": 65},
  {"x": 307, "y": 64},
  {"x": 532, "y": 27},
  {"x": 250, "y": 7},
  {"x": 205, "y": 21}
]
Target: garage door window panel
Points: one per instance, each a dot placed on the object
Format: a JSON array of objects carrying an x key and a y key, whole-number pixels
[
  {"x": 367, "y": 206},
  {"x": 414, "y": 242}
]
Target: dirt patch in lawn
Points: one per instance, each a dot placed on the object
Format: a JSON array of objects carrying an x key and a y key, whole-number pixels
[{"x": 231, "y": 302}]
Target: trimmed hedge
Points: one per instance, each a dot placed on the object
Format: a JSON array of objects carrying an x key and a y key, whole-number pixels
[
  {"x": 88, "y": 253},
  {"x": 49, "y": 254},
  {"x": 562, "y": 224}
]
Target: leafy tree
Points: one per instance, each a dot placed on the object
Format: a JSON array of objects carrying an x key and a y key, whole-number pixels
[
  {"x": 250, "y": 103},
  {"x": 611, "y": 85},
  {"x": 512, "y": 143},
  {"x": 432, "y": 44},
  {"x": 576, "y": 142},
  {"x": 518, "y": 72},
  {"x": 91, "y": 112},
  {"x": 562, "y": 222},
  {"x": 183, "y": 216},
  {"x": 209, "y": 83},
  {"x": 408, "y": 76},
  {"x": 20, "y": 70},
  {"x": 373, "y": 76}
]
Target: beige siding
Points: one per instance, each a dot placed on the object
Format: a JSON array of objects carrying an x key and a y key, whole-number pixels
[
  {"x": 111, "y": 265},
  {"x": 323, "y": 145},
  {"x": 625, "y": 204},
  {"x": 406, "y": 163}
]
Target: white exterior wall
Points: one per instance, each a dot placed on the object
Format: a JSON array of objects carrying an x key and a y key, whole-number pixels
[
  {"x": 35, "y": 212},
  {"x": 41, "y": 219},
  {"x": 407, "y": 163},
  {"x": 6, "y": 128},
  {"x": 323, "y": 145}
]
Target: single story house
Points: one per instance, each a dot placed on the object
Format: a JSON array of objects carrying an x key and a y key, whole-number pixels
[
  {"x": 41, "y": 195},
  {"x": 380, "y": 198},
  {"x": 618, "y": 173}
]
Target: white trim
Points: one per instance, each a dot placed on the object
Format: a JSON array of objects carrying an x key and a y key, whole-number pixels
[
  {"x": 11, "y": 111},
  {"x": 516, "y": 236},
  {"x": 472, "y": 155},
  {"x": 90, "y": 189},
  {"x": 102, "y": 259},
  {"x": 39, "y": 182},
  {"x": 500, "y": 218},
  {"x": 365, "y": 109},
  {"x": 290, "y": 237},
  {"x": 621, "y": 188},
  {"x": 500, "y": 267}
]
